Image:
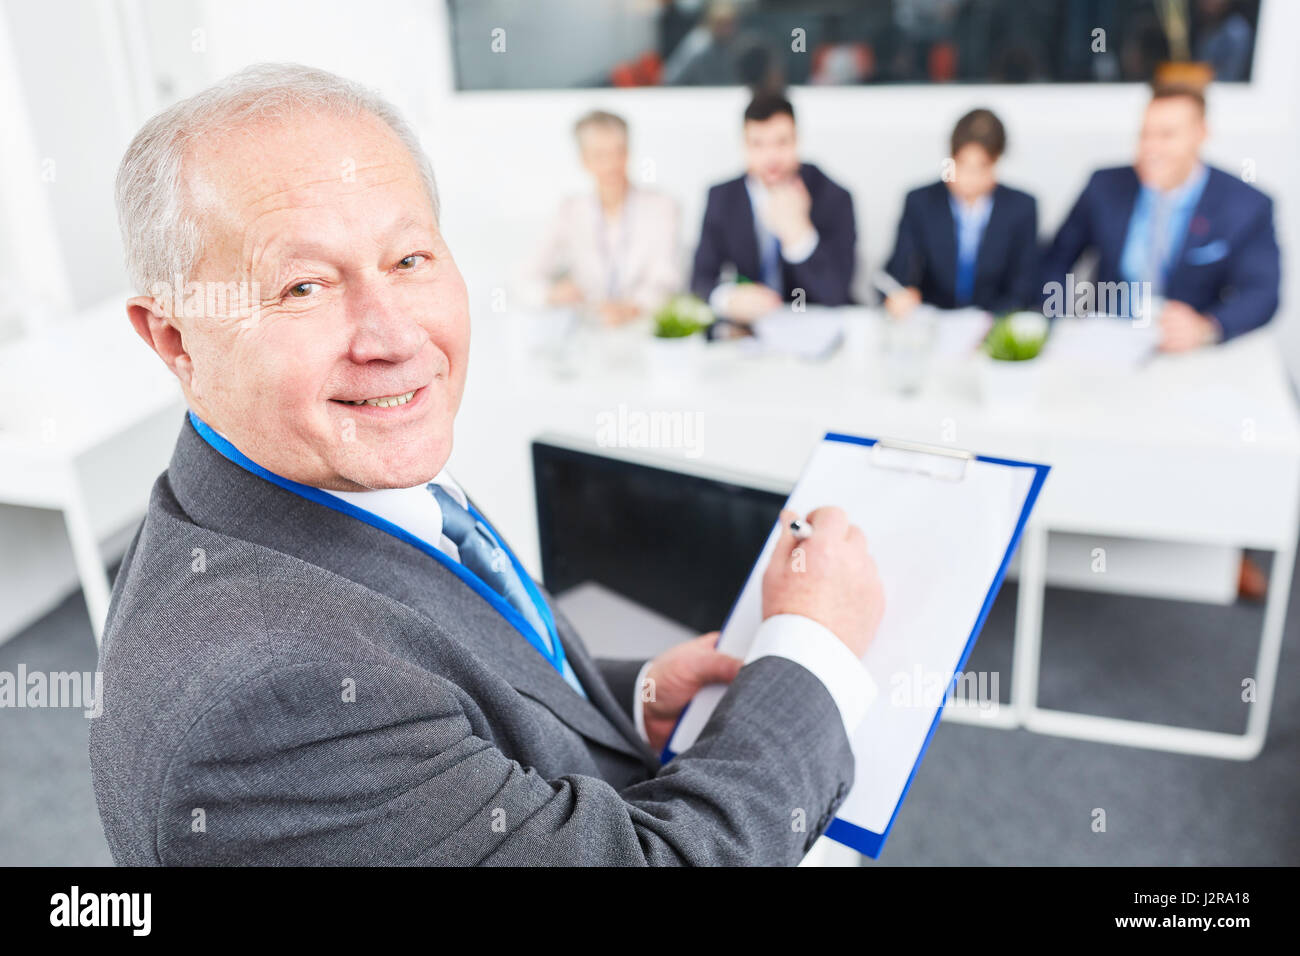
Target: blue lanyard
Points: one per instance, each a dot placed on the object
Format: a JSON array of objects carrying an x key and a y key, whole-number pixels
[{"x": 556, "y": 659}]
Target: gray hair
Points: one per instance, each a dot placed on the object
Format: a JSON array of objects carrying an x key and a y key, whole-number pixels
[
  {"x": 599, "y": 119},
  {"x": 161, "y": 237}
]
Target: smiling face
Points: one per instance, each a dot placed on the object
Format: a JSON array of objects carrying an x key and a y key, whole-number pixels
[{"x": 349, "y": 372}]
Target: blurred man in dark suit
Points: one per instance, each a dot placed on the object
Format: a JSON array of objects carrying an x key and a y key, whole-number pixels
[
  {"x": 1201, "y": 237},
  {"x": 1198, "y": 238},
  {"x": 784, "y": 228},
  {"x": 967, "y": 239}
]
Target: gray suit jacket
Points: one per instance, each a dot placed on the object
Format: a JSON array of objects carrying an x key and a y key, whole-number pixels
[{"x": 284, "y": 684}]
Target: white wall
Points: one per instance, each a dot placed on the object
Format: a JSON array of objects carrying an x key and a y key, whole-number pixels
[
  {"x": 502, "y": 159},
  {"x": 80, "y": 75}
]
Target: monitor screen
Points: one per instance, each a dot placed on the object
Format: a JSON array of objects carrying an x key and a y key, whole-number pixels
[{"x": 679, "y": 544}]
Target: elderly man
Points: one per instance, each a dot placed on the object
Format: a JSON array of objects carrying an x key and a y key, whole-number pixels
[{"x": 318, "y": 650}]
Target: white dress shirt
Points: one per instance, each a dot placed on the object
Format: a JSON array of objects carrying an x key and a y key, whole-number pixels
[{"x": 411, "y": 509}]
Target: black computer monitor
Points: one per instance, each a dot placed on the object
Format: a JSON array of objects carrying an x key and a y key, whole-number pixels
[{"x": 680, "y": 544}]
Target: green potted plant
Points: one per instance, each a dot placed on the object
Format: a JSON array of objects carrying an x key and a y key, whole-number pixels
[
  {"x": 678, "y": 342},
  {"x": 1009, "y": 371}
]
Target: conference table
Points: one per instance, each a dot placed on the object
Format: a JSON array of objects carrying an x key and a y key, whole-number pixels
[
  {"x": 1197, "y": 454},
  {"x": 88, "y": 420}
]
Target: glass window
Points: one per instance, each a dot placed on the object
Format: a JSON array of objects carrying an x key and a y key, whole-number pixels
[{"x": 506, "y": 44}]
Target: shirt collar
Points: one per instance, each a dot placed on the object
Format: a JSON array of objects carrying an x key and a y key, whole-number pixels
[
  {"x": 976, "y": 210},
  {"x": 1184, "y": 191},
  {"x": 412, "y": 509}
]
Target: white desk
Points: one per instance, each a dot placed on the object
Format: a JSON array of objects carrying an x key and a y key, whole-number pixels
[
  {"x": 1200, "y": 449},
  {"x": 88, "y": 418}
]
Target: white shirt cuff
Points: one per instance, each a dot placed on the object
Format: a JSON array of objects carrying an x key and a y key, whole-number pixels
[
  {"x": 798, "y": 253},
  {"x": 719, "y": 296},
  {"x": 814, "y": 646},
  {"x": 638, "y": 702}
]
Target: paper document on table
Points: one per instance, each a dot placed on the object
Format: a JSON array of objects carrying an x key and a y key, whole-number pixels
[
  {"x": 1101, "y": 341},
  {"x": 814, "y": 334},
  {"x": 959, "y": 331},
  {"x": 942, "y": 526}
]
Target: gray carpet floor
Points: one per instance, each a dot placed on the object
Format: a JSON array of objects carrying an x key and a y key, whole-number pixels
[{"x": 982, "y": 796}]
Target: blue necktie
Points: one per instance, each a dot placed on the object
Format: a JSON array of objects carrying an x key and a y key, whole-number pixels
[
  {"x": 771, "y": 266},
  {"x": 965, "y": 277},
  {"x": 480, "y": 553},
  {"x": 1158, "y": 241}
]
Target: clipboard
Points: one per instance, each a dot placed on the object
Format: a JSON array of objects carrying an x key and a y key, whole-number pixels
[{"x": 942, "y": 524}]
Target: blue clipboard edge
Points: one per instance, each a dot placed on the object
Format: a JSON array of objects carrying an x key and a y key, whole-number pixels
[{"x": 851, "y": 835}]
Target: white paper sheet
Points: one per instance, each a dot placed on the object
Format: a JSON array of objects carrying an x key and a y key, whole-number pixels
[
  {"x": 814, "y": 333},
  {"x": 1101, "y": 341},
  {"x": 938, "y": 544}
]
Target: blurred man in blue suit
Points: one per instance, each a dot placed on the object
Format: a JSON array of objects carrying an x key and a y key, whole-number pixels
[
  {"x": 967, "y": 239},
  {"x": 1200, "y": 237},
  {"x": 782, "y": 227}
]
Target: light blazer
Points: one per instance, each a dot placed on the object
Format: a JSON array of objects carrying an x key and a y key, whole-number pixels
[
  {"x": 285, "y": 684},
  {"x": 648, "y": 255}
]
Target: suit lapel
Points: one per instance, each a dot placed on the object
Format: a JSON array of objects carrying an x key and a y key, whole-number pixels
[
  {"x": 994, "y": 230},
  {"x": 946, "y": 234},
  {"x": 1205, "y": 210},
  {"x": 748, "y": 262},
  {"x": 220, "y": 495},
  {"x": 1116, "y": 227}
]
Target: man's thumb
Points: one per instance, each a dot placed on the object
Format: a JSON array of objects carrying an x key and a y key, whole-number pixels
[{"x": 718, "y": 668}]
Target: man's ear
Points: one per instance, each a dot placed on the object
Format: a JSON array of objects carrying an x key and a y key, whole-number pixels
[{"x": 161, "y": 333}]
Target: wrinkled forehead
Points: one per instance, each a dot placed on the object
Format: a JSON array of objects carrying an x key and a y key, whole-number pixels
[{"x": 304, "y": 165}]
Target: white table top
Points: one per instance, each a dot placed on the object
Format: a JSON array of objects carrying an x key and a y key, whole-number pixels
[
  {"x": 76, "y": 384},
  {"x": 1202, "y": 446}
]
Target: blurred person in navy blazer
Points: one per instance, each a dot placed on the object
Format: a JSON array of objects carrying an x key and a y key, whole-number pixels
[
  {"x": 782, "y": 227},
  {"x": 1201, "y": 237},
  {"x": 967, "y": 240}
]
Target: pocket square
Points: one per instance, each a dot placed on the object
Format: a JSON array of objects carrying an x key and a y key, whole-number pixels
[{"x": 1210, "y": 252}]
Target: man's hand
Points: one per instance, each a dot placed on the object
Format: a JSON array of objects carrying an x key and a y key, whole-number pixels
[
  {"x": 828, "y": 577},
  {"x": 903, "y": 301},
  {"x": 1183, "y": 328},
  {"x": 788, "y": 212},
  {"x": 674, "y": 677},
  {"x": 751, "y": 300},
  {"x": 618, "y": 312}
]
